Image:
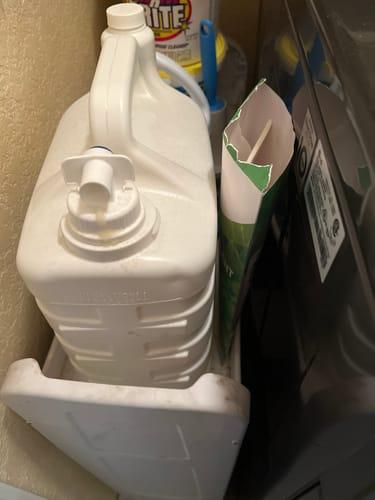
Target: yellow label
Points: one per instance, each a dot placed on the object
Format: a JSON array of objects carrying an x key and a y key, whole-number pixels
[{"x": 167, "y": 18}]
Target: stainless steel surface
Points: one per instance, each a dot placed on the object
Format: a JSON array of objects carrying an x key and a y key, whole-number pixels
[{"x": 316, "y": 336}]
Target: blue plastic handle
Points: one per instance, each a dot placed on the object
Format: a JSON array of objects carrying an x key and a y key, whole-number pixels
[{"x": 209, "y": 67}]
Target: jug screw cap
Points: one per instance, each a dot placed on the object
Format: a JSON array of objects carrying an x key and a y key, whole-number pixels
[{"x": 125, "y": 16}]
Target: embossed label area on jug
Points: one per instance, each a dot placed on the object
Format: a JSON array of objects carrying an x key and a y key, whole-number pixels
[{"x": 113, "y": 298}]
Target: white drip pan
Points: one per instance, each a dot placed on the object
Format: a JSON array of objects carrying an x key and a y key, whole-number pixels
[{"x": 146, "y": 443}]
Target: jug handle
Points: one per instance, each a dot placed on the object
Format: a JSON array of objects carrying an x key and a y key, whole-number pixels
[{"x": 111, "y": 94}]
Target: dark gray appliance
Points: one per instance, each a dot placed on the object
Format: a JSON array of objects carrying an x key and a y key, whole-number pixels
[{"x": 313, "y": 320}]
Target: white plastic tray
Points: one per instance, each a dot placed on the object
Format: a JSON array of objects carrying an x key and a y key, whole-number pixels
[{"x": 146, "y": 443}]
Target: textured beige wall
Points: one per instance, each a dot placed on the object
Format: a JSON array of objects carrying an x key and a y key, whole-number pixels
[{"x": 48, "y": 50}]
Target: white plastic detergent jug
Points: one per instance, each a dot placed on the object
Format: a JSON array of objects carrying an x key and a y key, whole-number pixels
[{"x": 119, "y": 241}]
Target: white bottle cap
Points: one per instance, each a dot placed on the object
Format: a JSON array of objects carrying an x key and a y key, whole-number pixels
[
  {"x": 107, "y": 215},
  {"x": 125, "y": 16}
]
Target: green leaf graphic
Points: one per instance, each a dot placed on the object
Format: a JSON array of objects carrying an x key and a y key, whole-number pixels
[{"x": 234, "y": 248}]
